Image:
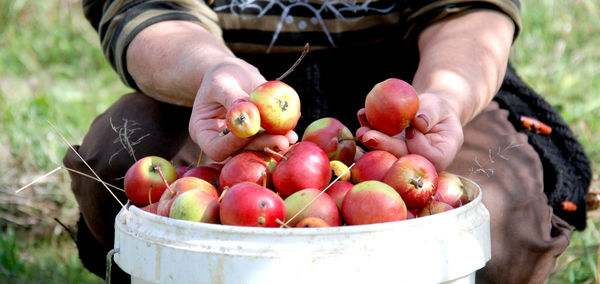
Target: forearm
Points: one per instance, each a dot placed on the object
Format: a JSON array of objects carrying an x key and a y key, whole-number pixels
[
  {"x": 464, "y": 60},
  {"x": 168, "y": 60}
]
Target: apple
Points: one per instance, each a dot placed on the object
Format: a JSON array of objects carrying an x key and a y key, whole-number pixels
[
  {"x": 243, "y": 119},
  {"x": 391, "y": 105},
  {"x": 451, "y": 190},
  {"x": 415, "y": 178},
  {"x": 151, "y": 208},
  {"x": 338, "y": 191},
  {"x": 333, "y": 137},
  {"x": 181, "y": 170},
  {"x": 207, "y": 173},
  {"x": 304, "y": 165},
  {"x": 143, "y": 182},
  {"x": 249, "y": 166},
  {"x": 312, "y": 222},
  {"x": 340, "y": 170},
  {"x": 249, "y": 204},
  {"x": 371, "y": 202},
  {"x": 372, "y": 166},
  {"x": 180, "y": 186},
  {"x": 196, "y": 205},
  {"x": 278, "y": 105},
  {"x": 434, "y": 207},
  {"x": 310, "y": 202}
]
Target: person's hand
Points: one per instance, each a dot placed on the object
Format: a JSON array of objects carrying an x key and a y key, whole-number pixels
[
  {"x": 221, "y": 87},
  {"x": 435, "y": 133}
]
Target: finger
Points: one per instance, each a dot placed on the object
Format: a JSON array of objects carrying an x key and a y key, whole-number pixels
[
  {"x": 375, "y": 140},
  {"x": 362, "y": 118},
  {"x": 272, "y": 141},
  {"x": 439, "y": 148}
]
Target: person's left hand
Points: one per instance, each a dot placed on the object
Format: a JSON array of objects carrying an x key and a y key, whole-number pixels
[{"x": 435, "y": 133}]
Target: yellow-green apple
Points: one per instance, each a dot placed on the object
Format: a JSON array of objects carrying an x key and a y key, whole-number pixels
[
  {"x": 333, "y": 137},
  {"x": 451, "y": 190},
  {"x": 415, "y": 178},
  {"x": 243, "y": 119},
  {"x": 252, "y": 205},
  {"x": 338, "y": 191},
  {"x": 180, "y": 186},
  {"x": 340, "y": 170},
  {"x": 249, "y": 166},
  {"x": 312, "y": 222},
  {"x": 434, "y": 207},
  {"x": 278, "y": 105},
  {"x": 371, "y": 202},
  {"x": 304, "y": 165},
  {"x": 372, "y": 166},
  {"x": 208, "y": 173},
  {"x": 391, "y": 105},
  {"x": 309, "y": 202},
  {"x": 144, "y": 183},
  {"x": 196, "y": 205}
]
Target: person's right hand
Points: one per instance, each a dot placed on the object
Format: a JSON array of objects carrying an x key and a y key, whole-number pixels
[{"x": 223, "y": 84}]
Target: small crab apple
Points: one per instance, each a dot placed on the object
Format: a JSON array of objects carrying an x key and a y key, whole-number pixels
[
  {"x": 243, "y": 119},
  {"x": 278, "y": 105}
]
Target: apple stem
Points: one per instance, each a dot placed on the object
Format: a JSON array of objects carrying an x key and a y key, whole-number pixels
[
  {"x": 417, "y": 183},
  {"x": 223, "y": 193},
  {"x": 162, "y": 176},
  {"x": 200, "y": 158},
  {"x": 304, "y": 52},
  {"x": 271, "y": 151}
]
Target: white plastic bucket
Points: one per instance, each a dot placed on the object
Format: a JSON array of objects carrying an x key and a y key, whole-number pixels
[{"x": 443, "y": 248}]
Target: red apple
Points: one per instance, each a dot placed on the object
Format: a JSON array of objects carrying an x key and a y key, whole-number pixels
[
  {"x": 151, "y": 208},
  {"x": 372, "y": 166},
  {"x": 312, "y": 222},
  {"x": 391, "y": 105},
  {"x": 434, "y": 207},
  {"x": 278, "y": 105},
  {"x": 207, "y": 173},
  {"x": 451, "y": 190},
  {"x": 196, "y": 205},
  {"x": 249, "y": 204},
  {"x": 304, "y": 165},
  {"x": 372, "y": 202},
  {"x": 333, "y": 137},
  {"x": 180, "y": 186},
  {"x": 414, "y": 178},
  {"x": 308, "y": 203},
  {"x": 143, "y": 182},
  {"x": 243, "y": 119},
  {"x": 249, "y": 166},
  {"x": 338, "y": 191},
  {"x": 181, "y": 170}
]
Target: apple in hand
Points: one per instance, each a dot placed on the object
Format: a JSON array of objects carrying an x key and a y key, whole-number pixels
[
  {"x": 391, "y": 105},
  {"x": 278, "y": 105},
  {"x": 196, "y": 205},
  {"x": 333, "y": 137},
  {"x": 180, "y": 186},
  {"x": 415, "y": 178},
  {"x": 243, "y": 119},
  {"x": 305, "y": 203},
  {"x": 143, "y": 182},
  {"x": 249, "y": 166},
  {"x": 451, "y": 190},
  {"x": 249, "y": 204},
  {"x": 207, "y": 173},
  {"x": 372, "y": 166},
  {"x": 304, "y": 165},
  {"x": 371, "y": 202}
]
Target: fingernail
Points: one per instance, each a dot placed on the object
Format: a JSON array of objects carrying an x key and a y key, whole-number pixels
[
  {"x": 410, "y": 133},
  {"x": 371, "y": 142},
  {"x": 425, "y": 118}
]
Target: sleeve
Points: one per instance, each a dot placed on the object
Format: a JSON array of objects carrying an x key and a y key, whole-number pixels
[
  {"x": 421, "y": 13},
  {"x": 118, "y": 22}
]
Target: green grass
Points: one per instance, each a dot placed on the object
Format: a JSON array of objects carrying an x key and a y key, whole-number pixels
[{"x": 52, "y": 70}]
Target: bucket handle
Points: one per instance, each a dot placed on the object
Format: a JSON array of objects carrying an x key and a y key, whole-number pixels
[{"x": 109, "y": 257}]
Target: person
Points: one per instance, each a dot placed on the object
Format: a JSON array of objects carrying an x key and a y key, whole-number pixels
[{"x": 189, "y": 61}]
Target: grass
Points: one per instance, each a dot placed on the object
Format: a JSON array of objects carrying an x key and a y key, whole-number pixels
[{"x": 52, "y": 70}]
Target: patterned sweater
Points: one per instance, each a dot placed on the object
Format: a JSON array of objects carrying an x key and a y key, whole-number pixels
[{"x": 274, "y": 26}]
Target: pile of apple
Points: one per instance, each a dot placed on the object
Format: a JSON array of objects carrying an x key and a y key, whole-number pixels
[{"x": 319, "y": 181}]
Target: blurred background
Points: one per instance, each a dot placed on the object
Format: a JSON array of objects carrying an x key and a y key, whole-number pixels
[{"x": 52, "y": 72}]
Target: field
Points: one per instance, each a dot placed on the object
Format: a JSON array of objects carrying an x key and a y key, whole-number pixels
[{"x": 53, "y": 74}]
